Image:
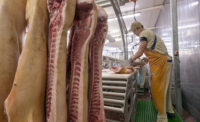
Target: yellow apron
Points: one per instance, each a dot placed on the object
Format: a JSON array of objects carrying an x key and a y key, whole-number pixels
[{"x": 158, "y": 68}]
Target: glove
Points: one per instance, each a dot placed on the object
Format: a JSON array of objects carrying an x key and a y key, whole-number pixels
[
  {"x": 146, "y": 60},
  {"x": 131, "y": 60}
]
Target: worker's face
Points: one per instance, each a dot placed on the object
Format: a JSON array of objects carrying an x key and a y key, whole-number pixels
[{"x": 137, "y": 31}]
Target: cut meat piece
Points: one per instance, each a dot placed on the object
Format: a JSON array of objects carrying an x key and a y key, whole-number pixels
[
  {"x": 25, "y": 102},
  {"x": 122, "y": 70},
  {"x": 12, "y": 19},
  {"x": 96, "y": 104},
  {"x": 61, "y": 18},
  {"x": 81, "y": 34}
]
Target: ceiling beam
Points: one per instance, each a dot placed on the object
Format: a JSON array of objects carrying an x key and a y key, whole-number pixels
[
  {"x": 130, "y": 12},
  {"x": 106, "y": 3},
  {"x": 103, "y": 3}
]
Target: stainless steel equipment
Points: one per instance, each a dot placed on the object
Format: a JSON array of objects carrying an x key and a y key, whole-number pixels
[{"x": 119, "y": 91}]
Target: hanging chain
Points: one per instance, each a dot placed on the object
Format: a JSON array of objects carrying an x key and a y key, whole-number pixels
[{"x": 134, "y": 10}]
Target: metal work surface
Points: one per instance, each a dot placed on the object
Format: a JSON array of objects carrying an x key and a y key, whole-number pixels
[
  {"x": 111, "y": 75},
  {"x": 146, "y": 112},
  {"x": 119, "y": 91}
]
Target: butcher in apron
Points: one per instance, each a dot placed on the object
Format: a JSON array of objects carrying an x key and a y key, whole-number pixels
[{"x": 161, "y": 69}]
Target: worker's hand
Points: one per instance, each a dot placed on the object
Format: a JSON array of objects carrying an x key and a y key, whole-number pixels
[
  {"x": 131, "y": 60},
  {"x": 143, "y": 63},
  {"x": 145, "y": 59},
  {"x": 134, "y": 63},
  {"x": 137, "y": 62}
]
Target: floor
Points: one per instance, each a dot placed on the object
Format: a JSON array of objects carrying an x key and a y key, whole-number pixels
[
  {"x": 145, "y": 95},
  {"x": 146, "y": 112},
  {"x": 187, "y": 117}
]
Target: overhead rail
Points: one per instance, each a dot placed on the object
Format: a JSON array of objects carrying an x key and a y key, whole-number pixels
[
  {"x": 103, "y": 3},
  {"x": 130, "y": 12},
  {"x": 106, "y": 3}
]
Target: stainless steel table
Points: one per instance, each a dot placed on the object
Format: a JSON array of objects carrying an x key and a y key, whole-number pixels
[{"x": 119, "y": 91}]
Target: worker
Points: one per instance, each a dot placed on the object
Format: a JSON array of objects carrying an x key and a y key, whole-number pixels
[{"x": 160, "y": 66}]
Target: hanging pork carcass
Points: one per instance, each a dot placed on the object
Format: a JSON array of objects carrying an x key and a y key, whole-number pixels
[
  {"x": 95, "y": 102},
  {"x": 61, "y": 18},
  {"x": 12, "y": 18},
  {"x": 77, "y": 59},
  {"x": 25, "y": 102}
]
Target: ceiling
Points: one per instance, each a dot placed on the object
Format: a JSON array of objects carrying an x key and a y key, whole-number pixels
[{"x": 147, "y": 12}]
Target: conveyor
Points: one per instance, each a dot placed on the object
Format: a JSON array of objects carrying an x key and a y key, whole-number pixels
[{"x": 119, "y": 91}]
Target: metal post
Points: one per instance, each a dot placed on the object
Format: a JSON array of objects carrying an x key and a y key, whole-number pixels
[
  {"x": 199, "y": 12},
  {"x": 126, "y": 47},
  {"x": 122, "y": 25},
  {"x": 174, "y": 21}
]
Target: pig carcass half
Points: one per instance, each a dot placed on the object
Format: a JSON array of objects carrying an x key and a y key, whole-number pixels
[
  {"x": 81, "y": 34},
  {"x": 25, "y": 102},
  {"x": 61, "y": 18},
  {"x": 12, "y": 19},
  {"x": 95, "y": 102}
]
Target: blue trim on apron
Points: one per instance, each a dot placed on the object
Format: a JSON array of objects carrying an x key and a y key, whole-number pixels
[
  {"x": 169, "y": 60},
  {"x": 154, "y": 43}
]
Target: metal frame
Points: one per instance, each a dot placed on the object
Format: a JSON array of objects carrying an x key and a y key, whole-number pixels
[
  {"x": 123, "y": 29},
  {"x": 106, "y": 3},
  {"x": 103, "y": 3},
  {"x": 174, "y": 21},
  {"x": 119, "y": 92}
]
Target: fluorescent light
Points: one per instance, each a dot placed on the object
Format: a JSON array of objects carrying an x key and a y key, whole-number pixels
[
  {"x": 194, "y": 3},
  {"x": 124, "y": 17},
  {"x": 166, "y": 38},
  {"x": 130, "y": 34},
  {"x": 114, "y": 31},
  {"x": 115, "y": 36},
  {"x": 107, "y": 41},
  {"x": 165, "y": 34},
  {"x": 104, "y": 4},
  {"x": 132, "y": 15},
  {"x": 118, "y": 39},
  {"x": 188, "y": 26},
  {"x": 184, "y": 26},
  {"x": 112, "y": 19}
]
